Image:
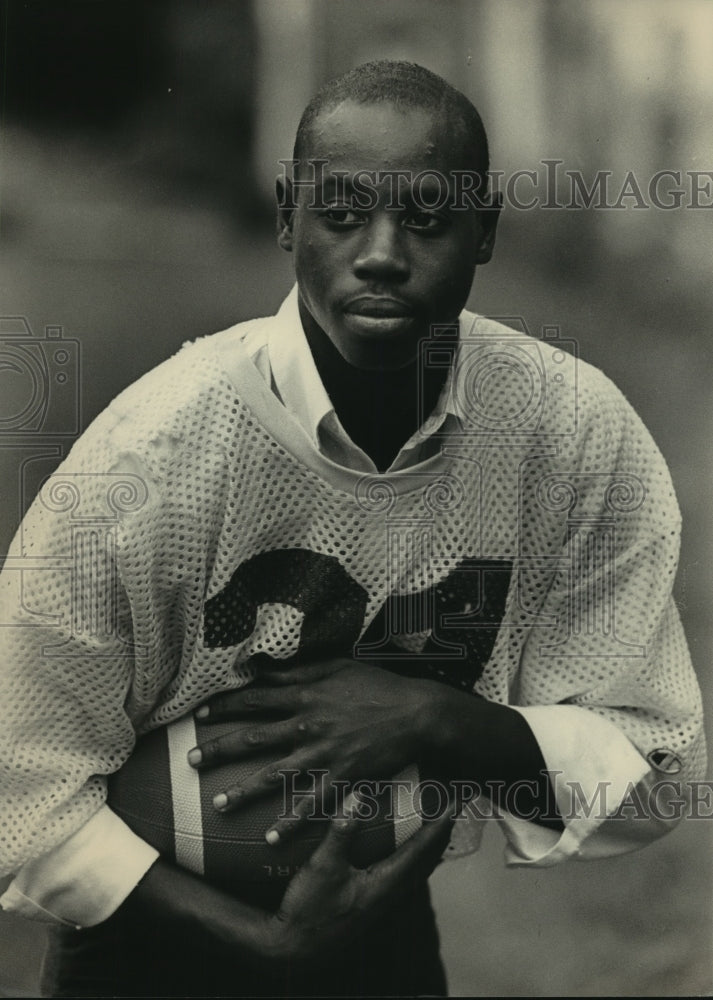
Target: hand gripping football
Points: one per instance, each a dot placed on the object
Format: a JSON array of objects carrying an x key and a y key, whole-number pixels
[{"x": 170, "y": 805}]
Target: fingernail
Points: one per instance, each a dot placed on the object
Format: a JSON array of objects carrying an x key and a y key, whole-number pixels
[
  {"x": 220, "y": 800},
  {"x": 195, "y": 756},
  {"x": 203, "y": 712},
  {"x": 272, "y": 837}
]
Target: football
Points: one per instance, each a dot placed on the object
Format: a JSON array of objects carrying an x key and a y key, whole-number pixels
[{"x": 170, "y": 805}]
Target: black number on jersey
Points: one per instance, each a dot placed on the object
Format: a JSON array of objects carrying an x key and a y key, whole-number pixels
[{"x": 459, "y": 616}]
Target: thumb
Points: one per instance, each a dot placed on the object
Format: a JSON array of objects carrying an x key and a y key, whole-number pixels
[
  {"x": 337, "y": 841},
  {"x": 421, "y": 853},
  {"x": 296, "y": 671}
]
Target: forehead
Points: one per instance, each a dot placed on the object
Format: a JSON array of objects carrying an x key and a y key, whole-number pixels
[{"x": 353, "y": 136}]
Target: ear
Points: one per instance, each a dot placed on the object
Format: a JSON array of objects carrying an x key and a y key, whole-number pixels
[
  {"x": 285, "y": 213},
  {"x": 488, "y": 219}
]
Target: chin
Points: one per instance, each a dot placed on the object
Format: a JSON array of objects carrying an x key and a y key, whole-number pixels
[
  {"x": 380, "y": 356},
  {"x": 371, "y": 350}
]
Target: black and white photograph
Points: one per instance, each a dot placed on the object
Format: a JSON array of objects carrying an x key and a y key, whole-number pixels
[{"x": 355, "y": 473}]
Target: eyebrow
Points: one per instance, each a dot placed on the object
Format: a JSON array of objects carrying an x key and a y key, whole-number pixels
[
  {"x": 336, "y": 185},
  {"x": 362, "y": 184}
]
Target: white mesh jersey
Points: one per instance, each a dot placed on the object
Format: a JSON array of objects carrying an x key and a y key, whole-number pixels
[{"x": 195, "y": 525}]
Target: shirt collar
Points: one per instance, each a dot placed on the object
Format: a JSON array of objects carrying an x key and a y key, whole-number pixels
[
  {"x": 299, "y": 386},
  {"x": 294, "y": 371}
]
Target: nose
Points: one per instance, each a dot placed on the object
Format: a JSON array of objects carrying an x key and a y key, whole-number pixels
[{"x": 382, "y": 253}]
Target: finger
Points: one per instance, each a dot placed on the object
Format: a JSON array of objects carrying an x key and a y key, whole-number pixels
[
  {"x": 312, "y": 806},
  {"x": 419, "y": 855},
  {"x": 279, "y": 776},
  {"x": 247, "y": 740},
  {"x": 334, "y": 849},
  {"x": 279, "y": 674},
  {"x": 246, "y": 701}
]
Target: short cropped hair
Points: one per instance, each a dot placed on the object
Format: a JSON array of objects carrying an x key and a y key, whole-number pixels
[{"x": 406, "y": 85}]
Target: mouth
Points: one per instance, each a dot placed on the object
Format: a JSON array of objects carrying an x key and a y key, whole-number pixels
[
  {"x": 379, "y": 307},
  {"x": 379, "y": 315}
]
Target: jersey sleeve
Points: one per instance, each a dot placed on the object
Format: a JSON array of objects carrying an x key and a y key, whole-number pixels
[
  {"x": 100, "y": 618},
  {"x": 605, "y": 681},
  {"x": 68, "y": 685}
]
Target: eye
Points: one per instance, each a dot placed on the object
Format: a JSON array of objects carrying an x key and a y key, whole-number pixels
[
  {"x": 425, "y": 221},
  {"x": 342, "y": 215}
]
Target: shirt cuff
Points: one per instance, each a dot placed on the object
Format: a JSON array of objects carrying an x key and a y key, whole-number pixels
[
  {"x": 86, "y": 878},
  {"x": 593, "y": 767}
]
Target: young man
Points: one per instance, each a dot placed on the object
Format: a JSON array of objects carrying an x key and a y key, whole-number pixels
[{"x": 373, "y": 529}]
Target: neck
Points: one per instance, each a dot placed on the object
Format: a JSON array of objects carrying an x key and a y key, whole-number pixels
[{"x": 379, "y": 409}]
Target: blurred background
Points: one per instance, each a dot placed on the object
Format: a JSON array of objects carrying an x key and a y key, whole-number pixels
[{"x": 140, "y": 143}]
